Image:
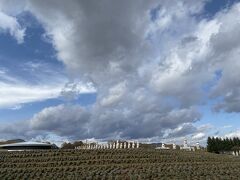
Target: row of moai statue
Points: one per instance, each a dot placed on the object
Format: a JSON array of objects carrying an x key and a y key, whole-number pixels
[
  {"x": 111, "y": 145},
  {"x": 236, "y": 153}
]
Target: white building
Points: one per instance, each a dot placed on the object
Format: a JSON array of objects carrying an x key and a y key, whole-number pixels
[
  {"x": 185, "y": 146},
  {"x": 26, "y": 146},
  {"x": 162, "y": 147}
]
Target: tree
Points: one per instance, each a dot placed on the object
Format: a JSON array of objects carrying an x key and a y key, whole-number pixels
[
  {"x": 209, "y": 145},
  {"x": 77, "y": 143},
  {"x": 66, "y": 145},
  {"x": 218, "y": 144}
]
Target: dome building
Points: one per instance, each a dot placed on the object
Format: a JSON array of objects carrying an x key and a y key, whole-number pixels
[{"x": 22, "y": 146}]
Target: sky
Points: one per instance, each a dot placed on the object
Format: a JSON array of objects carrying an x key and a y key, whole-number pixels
[{"x": 152, "y": 71}]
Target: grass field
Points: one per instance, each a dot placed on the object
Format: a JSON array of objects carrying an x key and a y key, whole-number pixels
[{"x": 117, "y": 164}]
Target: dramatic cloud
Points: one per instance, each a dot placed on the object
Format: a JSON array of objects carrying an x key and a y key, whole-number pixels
[
  {"x": 75, "y": 121},
  {"x": 114, "y": 46},
  {"x": 225, "y": 47},
  {"x": 152, "y": 64}
]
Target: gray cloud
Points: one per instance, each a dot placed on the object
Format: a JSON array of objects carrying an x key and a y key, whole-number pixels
[
  {"x": 225, "y": 47},
  {"x": 77, "y": 122}
]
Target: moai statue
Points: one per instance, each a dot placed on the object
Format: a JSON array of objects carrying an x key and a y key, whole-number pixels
[
  {"x": 111, "y": 146},
  {"x": 174, "y": 146},
  {"x": 133, "y": 144},
  {"x": 117, "y": 144},
  {"x": 124, "y": 145},
  {"x": 236, "y": 153},
  {"x": 129, "y": 145},
  {"x": 233, "y": 153},
  {"x": 114, "y": 145},
  {"x": 137, "y": 145},
  {"x": 163, "y": 146},
  {"x": 121, "y": 145},
  {"x": 108, "y": 146}
]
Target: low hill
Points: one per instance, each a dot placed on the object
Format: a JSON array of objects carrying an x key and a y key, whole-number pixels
[{"x": 117, "y": 164}]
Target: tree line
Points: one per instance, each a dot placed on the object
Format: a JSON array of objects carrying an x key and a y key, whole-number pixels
[{"x": 217, "y": 145}]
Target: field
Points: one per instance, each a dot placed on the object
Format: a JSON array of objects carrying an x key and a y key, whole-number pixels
[{"x": 117, "y": 164}]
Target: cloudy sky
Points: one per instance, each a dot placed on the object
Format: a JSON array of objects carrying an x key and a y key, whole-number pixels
[{"x": 156, "y": 71}]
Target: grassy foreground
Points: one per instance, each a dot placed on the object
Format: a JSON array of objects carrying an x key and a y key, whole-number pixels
[{"x": 117, "y": 164}]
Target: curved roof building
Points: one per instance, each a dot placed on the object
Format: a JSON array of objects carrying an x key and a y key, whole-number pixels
[{"x": 27, "y": 146}]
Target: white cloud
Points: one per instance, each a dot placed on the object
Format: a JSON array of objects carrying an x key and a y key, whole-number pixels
[
  {"x": 71, "y": 90},
  {"x": 17, "y": 107},
  {"x": 15, "y": 94},
  {"x": 233, "y": 134},
  {"x": 199, "y": 136},
  {"x": 10, "y": 24}
]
